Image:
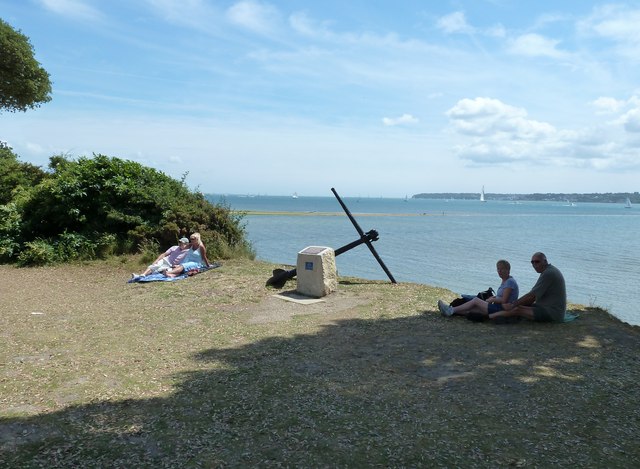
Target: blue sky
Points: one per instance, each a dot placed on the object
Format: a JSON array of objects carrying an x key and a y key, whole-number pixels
[{"x": 383, "y": 98}]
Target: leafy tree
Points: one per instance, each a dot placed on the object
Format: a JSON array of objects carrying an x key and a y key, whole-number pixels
[{"x": 24, "y": 83}]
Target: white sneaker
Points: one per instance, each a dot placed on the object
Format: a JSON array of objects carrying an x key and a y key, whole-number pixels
[{"x": 445, "y": 309}]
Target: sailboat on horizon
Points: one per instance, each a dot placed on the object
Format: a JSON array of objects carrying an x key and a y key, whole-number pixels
[
  {"x": 482, "y": 195},
  {"x": 627, "y": 204}
]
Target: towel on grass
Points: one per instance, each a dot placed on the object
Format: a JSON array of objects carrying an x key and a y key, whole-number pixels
[
  {"x": 568, "y": 317},
  {"x": 155, "y": 278},
  {"x": 163, "y": 278}
]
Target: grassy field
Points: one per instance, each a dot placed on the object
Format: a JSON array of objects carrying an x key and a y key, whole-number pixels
[{"x": 214, "y": 371}]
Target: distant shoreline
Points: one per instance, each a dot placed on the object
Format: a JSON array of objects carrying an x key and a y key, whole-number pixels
[
  {"x": 327, "y": 214},
  {"x": 610, "y": 197}
]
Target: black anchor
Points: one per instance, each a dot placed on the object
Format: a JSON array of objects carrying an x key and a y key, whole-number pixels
[{"x": 280, "y": 276}]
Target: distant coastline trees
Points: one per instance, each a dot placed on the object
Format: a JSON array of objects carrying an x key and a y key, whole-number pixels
[
  {"x": 607, "y": 197},
  {"x": 95, "y": 207},
  {"x": 24, "y": 84}
]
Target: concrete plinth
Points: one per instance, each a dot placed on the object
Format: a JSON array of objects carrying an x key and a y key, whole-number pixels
[{"x": 316, "y": 271}]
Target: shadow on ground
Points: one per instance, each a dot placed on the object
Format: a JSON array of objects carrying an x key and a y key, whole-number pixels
[{"x": 414, "y": 391}]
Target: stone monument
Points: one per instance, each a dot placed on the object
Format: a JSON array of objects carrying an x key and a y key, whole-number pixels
[{"x": 316, "y": 271}]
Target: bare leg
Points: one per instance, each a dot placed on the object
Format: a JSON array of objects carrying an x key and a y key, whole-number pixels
[
  {"x": 522, "y": 311},
  {"x": 476, "y": 304},
  {"x": 145, "y": 273},
  {"x": 175, "y": 271}
]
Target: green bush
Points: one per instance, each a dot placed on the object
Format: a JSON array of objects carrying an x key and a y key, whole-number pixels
[
  {"x": 15, "y": 175},
  {"x": 36, "y": 253},
  {"x": 149, "y": 250},
  {"x": 106, "y": 245},
  {"x": 73, "y": 246},
  {"x": 94, "y": 207},
  {"x": 9, "y": 231}
]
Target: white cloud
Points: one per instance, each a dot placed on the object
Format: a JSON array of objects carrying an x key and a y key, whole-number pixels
[
  {"x": 483, "y": 116},
  {"x": 535, "y": 45},
  {"x": 454, "y": 23},
  {"x": 404, "y": 119},
  {"x": 77, "y": 9},
  {"x": 631, "y": 121},
  {"x": 304, "y": 25},
  {"x": 368, "y": 42},
  {"x": 326, "y": 59},
  {"x": 258, "y": 17},
  {"x": 498, "y": 31},
  {"x": 605, "y": 105},
  {"x": 546, "y": 19},
  {"x": 616, "y": 23},
  {"x": 498, "y": 133},
  {"x": 194, "y": 14}
]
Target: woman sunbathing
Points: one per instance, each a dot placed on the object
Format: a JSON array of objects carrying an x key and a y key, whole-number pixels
[{"x": 195, "y": 259}]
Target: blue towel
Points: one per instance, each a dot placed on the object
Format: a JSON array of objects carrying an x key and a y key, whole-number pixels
[
  {"x": 163, "y": 278},
  {"x": 156, "y": 278},
  {"x": 568, "y": 317}
]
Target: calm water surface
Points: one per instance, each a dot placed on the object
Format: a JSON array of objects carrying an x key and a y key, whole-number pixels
[{"x": 455, "y": 244}]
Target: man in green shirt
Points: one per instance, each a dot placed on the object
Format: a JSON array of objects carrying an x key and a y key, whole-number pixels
[{"x": 547, "y": 300}]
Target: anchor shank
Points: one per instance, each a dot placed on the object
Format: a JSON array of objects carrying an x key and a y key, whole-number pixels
[{"x": 362, "y": 236}]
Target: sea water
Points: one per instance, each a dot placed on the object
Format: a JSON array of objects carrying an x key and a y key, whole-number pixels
[{"x": 455, "y": 244}]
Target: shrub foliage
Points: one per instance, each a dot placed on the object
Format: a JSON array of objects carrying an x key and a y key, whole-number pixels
[
  {"x": 93, "y": 207},
  {"x": 15, "y": 174}
]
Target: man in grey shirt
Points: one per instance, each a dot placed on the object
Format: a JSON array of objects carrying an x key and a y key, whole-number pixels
[{"x": 547, "y": 300}]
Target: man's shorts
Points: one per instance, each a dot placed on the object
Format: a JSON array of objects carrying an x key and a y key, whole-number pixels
[
  {"x": 541, "y": 314},
  {"x": 494, "y": 308},
  {"x": 160, "y": 266}
]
